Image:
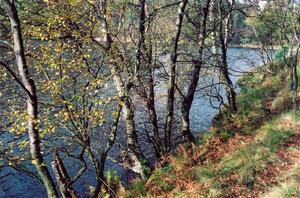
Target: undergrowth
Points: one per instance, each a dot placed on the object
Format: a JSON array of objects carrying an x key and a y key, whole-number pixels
[{"x": 226, "y": 160}]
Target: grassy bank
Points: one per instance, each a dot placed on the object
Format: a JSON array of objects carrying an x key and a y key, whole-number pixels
[{"x": 255, "y": 153}]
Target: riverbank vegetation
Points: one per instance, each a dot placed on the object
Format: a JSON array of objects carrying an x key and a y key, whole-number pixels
[
  {"x": 255, "y": 153},
  {"x": 97, "y": 94}
]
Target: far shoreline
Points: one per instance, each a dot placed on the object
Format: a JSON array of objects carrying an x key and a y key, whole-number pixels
[{"x": 252, "y": 46}]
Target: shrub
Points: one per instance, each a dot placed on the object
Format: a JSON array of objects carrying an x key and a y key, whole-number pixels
[{"x": 138, "y": 189}]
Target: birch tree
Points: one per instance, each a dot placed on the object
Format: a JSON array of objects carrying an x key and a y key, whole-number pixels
[{"x": 24, "y": 79}]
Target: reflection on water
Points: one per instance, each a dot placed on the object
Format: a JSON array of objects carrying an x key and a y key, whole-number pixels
[{"x": 20, "y": 185}]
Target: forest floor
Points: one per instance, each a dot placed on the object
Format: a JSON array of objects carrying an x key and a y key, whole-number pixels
[{"x": 255, "y": 153}]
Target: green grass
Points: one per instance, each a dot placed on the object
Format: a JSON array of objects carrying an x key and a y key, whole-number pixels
[
  {"x": 202, "y": 174},
  {"x": 268, "y": 132},
  {"x": 138, "y": 189},
  {"x": 165, "y": 172},
  {"x": 252, "y": 98},
  {"x": 275, "y": 138},
  {"x": 254, "y": 156},
  {"x": 289, "y": 184}
]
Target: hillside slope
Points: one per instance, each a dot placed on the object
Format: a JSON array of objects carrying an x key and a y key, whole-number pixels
[{"x": 255, "y": 153}]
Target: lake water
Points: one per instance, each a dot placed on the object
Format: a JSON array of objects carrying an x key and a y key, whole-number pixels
[
  {"x": 20, "y": 185},
  {"x": 240, "y": 60}
]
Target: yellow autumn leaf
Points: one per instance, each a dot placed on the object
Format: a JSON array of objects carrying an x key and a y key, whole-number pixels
[{"x": 33, "y": 162}]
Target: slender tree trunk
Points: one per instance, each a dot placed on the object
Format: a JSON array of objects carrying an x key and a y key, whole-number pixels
[
  {"x": 171, "y": 82},
  {"x": 32, "y": 102},
  {"x": 62, "y": 177},
  {"x": 231, "y": 94},
  {"x": 294, "y": 64},
  {"x": 144, "y": 55},
  {"x": 153, "y": 115},
  {"x": 213, "y": 21},
  {"x": 223, "y": 36},
  {"x": 99, "y": 164},
  {"x": 141, "y": 41},
  {"x": 188, "y": 100},
  {"x": 135, "y": 153},
  {"x": 100, "y": 175}
]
